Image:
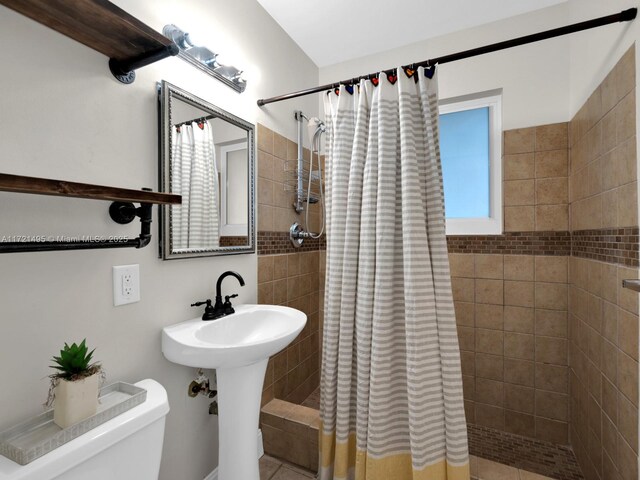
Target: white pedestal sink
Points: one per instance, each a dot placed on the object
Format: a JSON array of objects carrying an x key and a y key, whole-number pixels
[{"x": 238, "y": 346}]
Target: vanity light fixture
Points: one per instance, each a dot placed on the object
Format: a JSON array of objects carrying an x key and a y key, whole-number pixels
[{"x": 205, "y": 59}]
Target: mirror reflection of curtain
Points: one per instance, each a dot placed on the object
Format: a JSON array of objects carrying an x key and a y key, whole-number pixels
[{"x": 194, "y": 176}]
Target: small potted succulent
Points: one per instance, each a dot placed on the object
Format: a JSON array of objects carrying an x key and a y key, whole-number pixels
[{"x": 75, "y": 386}]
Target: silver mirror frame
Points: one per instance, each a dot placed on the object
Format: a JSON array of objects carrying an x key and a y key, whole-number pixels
[{"x": 166, "y": 92}]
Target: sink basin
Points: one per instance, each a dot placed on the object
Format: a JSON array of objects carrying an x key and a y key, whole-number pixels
[
  {"x": 253, "y": 333},
  {"x": 238, "y": 346}
]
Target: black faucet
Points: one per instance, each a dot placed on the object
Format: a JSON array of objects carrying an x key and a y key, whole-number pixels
[{"x": 221, "y": 309}]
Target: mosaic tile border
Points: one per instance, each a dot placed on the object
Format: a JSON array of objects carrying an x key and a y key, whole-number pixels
[
  {"x": 274, "y": 243},
  {"x": 611, "y": 245},
  {"x": 513, "y": 243},
  {"x": 551, "y": 460}
]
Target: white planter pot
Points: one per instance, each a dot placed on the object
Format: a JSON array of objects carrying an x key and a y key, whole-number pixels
[{"x": 76, "y": 401}]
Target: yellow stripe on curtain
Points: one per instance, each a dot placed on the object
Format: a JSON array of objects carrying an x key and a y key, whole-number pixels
[{"x": 345, "y": 456}]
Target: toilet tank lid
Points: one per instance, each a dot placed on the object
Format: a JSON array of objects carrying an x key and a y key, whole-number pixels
[{"x": 91, "y": 443}]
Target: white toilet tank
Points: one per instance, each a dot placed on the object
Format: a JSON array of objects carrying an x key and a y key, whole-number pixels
[{"x": 127, "y": 447}]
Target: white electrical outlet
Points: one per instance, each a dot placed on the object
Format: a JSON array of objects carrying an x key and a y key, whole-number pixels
[{"x": 126, "y": 284}]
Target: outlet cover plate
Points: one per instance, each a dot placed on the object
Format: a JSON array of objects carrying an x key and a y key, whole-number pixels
[{"x": 126, "y": 284}]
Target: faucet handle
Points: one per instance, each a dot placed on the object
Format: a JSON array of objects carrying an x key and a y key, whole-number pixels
[
  {"x": 228, "y": 308},
  {"x": 209, "y": 313},
  {"x": 197, "y": 304}
]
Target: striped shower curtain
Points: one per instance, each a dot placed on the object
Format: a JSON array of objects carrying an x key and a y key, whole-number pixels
[
  {"x": 391, "y": 401},
  {"x": 194, "y": 175}
]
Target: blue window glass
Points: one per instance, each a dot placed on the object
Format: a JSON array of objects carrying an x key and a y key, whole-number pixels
[{"x": 464, "y": 149}]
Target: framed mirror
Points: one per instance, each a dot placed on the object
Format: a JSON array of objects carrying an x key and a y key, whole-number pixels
[{"x": 207, "y": 157}]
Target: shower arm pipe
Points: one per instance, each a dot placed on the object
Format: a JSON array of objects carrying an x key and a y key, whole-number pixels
[{"x": 623, "y": 16}]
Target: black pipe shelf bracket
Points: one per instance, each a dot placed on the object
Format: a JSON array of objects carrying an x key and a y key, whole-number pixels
[
  {"x": 124, "y": 71},
  {"x": 122, "y": 210}
]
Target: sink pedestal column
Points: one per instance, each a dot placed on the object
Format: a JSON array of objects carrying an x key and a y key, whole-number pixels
[{"x": 239, "y": 396}]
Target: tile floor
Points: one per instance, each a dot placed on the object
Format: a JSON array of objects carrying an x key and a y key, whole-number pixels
[
  {"x": 481, "y": 469},
  {"x": 274, "y": 469}
]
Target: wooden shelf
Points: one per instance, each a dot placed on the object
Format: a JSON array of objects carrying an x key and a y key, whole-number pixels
[
  {"x": 45, "y": 186},
  {"x": 104, "y": 27}
]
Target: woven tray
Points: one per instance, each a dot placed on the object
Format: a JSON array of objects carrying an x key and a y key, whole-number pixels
[{"x": 33, "y": 438}]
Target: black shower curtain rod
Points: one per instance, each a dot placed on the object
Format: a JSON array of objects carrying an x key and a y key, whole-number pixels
[{"x": 624, "y": 16}]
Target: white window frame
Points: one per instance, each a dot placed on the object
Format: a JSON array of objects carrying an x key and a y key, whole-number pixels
[{"x": 491, "y": 225}]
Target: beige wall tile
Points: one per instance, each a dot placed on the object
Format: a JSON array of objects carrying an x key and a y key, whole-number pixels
[
  {"x": 552, "y": 296},
  {"x": 628, "y": 376},
  {"x": 466, "y": 338},
  {"x": 610, "y": 208},
  {"x": 627, "y": 299},
  {"x": 552, "y": 163},
  {"x": 519, "y": 219},
  {"x": 520, "y": 424},
  {"x": 518, "y": 294},
  {"x": 519, "y": 166},
  {"x": 463, "y": 289},
  {"x": 280, "y": 267},
  {"x": 520, "y": 140},
  {"x": 468, "y": 360},
  {"x": 551, "y": 350},
  {"x": 625, "y": 113},
  {"x": 628, "y": 421},
  {"x": 625, "y": 162},
  {"x": 489, "y": 366},
  {"x": 519, "y": 372},
  {"x": 489, "y": 341},
  {"x": 551, "y": 137},
  {"x": 265, "y": 268},
  {"x": 489, "y": 266},
  {"x": 518, "y": 319},
  {"x": 552, "y": 431},
  {"x": 519, "y": 192},
  {"x": 462, "y": 265},
  {"x": 265, "y": 165},
  {"x": 627, "y": 460},
  {"x": 552, "y": 217},
  {"x": 489, "y": 316},
  {"x": 519, "y": 345},
  {"x": 519, "y": 267},
  {"x": 265, "y": 218},
  {"x": 265, "y": 139},
  {"x": 552, "y": 191},
  {"x": 489, "y": 416},
  {"x": 553, "y": 378},
  {"x": 279, "y": 146},
  {"x": 628, "y": 205},
  {"x": 465, "y": 313},
  {"x": 490, "y": 392},
  {"x": 265, "y": 191},
  {"x": 489, "y": 291},
  {"x": 551, "y": 269},
  {"x": 551, "y": 323},
  {"x": 552, "y": 405},
  {"x": 628, "y": 333},
  {"x": 519, "y": 398}
]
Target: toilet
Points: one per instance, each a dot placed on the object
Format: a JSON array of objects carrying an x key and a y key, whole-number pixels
[{"x": 127, "y": 447}]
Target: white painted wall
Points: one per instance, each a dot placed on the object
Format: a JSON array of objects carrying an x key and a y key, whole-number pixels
[
  {"x": 63, "y": 116},
  {"x": 534, "y": 78}
]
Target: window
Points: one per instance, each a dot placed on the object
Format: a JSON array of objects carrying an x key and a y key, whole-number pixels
[{"x": 470, "y": 148}]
